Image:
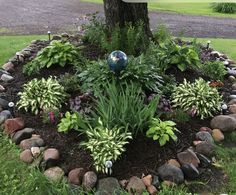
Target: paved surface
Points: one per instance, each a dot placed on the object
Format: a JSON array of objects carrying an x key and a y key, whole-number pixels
[{"x": 39, "y": 16}]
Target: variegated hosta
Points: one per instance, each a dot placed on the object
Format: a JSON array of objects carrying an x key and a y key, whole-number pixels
[
  {"x": 39, "y": 95},
  {"x": 106, "y": 145},
  {"x": 199, "y": 96}
]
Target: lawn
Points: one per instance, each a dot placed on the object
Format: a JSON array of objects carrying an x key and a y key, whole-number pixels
[
  {"x": 11, "y": 44},
  {"x": 227, "y": 46},
  {"x": 183, "y": 8}
]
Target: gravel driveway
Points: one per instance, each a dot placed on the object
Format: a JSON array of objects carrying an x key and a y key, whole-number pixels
[{"x": 39, "y": 16}]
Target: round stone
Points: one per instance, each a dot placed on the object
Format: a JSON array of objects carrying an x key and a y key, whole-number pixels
[{"x": 117, "y": 61}]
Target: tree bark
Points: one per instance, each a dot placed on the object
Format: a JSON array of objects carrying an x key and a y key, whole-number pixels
[{"x": 119, "y": 13}]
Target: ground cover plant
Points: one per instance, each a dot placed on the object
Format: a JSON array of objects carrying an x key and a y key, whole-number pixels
[{"x": 125, "y": 106}]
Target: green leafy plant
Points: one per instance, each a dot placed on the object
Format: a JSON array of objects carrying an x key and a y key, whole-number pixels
[
  {"x": 138, "y": 71},
  {"x": 161, "y": 34},
  {"x": 72, "y": 121},
  {"x": 106, "y": 145},
  {"x": 226, "y": 7},
  {"x": 169, "y": 54},
  {"x": 94, "y": 29},
  {"x": 40, "y": 95},
  {"x": 71, "y": 83},
  {"x": 197, "y": 97},
  {"x": 162, "y": 131},
  {"x": 57, "y": 53},
  {"x": 130, "y": 39},
  {"x": 215, "y": 70},
  {"x": 123, "y": 105}
]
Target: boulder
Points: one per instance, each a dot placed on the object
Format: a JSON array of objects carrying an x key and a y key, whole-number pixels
[
  {"x": 4, "y": 115},
  {"x": 205, "y": 148},
  {"x": 20, "y": 135},
  {"x": 35, "y": 151},
  {"x": 107, "y": 186},
  {"x": 204, "y": 161},
  {"x": 89, "y": 180},
  {"x": 207, "y": 129},
  {"x": 54, "y": 174},
  {"x": 173, "y": 162},
  {"x": 190, "y": 171},
  {"x": 2, "y": 89},
  {"x": 51, "y": 153},
  {"x": 204, "y": 136},
  {"x": 31, "y": 142},
  {"x": 6, "y": 78},
  {"x": 9, "y": 66},
  {"x": 152, "y": 190},
  {"x": 4, "y": 103},
  {"x": 232, "y": 108},
  {"x": 75, "y": 176},
  {"x": 13, "y": 125},
  {"x": 136, "y": 186},
  {"x": 224, "y": 122},
  {"x": 171, "y": 173},
  {"x": 26, "y": 156},
  {"x": 188, "y": 157},
  {"x": 147, "y": 180},
  {"x": 217, "y": 135}
]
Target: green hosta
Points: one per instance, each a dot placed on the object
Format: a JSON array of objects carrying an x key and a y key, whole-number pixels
[
  {"x": 40, "y": 95},
  {"x": 57, "y": 53},
  {"x": 106, "y": 145},
  {"x": 162, "y": 131},
  {"x": 72, "y": 121},
  {"x": 198, "y": 97}
]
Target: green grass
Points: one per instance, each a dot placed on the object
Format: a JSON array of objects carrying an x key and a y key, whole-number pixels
[
  {"x": 227, "y": 159},
  {"x": 11, "y": 44},
  {"x": 16, "y": 178},
  {"x": 180, "y": 7},
  {"x": 226, "y": 46}
]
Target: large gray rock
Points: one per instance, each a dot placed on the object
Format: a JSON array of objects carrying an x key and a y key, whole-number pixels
[
  {"x": 108, "y": 186},
  {"x": 136, "y": 186},
  {"x": 204, "y": 136},
  {"x": 171, "y": 173},
  {"x": 7, "y": 78},
  {"x": 224, "y": 122},
  {"x": 19, "y": 136},
  {"x": 4, "y": 115}
]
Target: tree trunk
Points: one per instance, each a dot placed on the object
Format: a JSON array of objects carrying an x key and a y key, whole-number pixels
[{"x": 118, "y": 12}]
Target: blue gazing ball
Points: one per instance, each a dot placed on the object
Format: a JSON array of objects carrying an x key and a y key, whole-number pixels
[{"x": 117, "y": 61}]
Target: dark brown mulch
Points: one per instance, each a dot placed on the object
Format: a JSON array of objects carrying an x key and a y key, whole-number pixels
[{"x": 142, "y": 155}]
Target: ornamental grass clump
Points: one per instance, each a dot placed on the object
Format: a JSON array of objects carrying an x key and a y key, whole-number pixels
[
  {"x": 198, "y": 97},
  {"x": 40, "y": 95},
  {"x": 106, "y": 145}
]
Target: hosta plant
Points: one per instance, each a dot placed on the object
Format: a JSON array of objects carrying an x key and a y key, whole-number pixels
[
  {"x": 162, "y": 131},
  {"x": 40, "y": 95},
  {"x": 72, "y": 121},
  {"x": 198, "y": 97},
  {"x": 57, "y": 53},
  {"x": 106, "y": 145}
]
